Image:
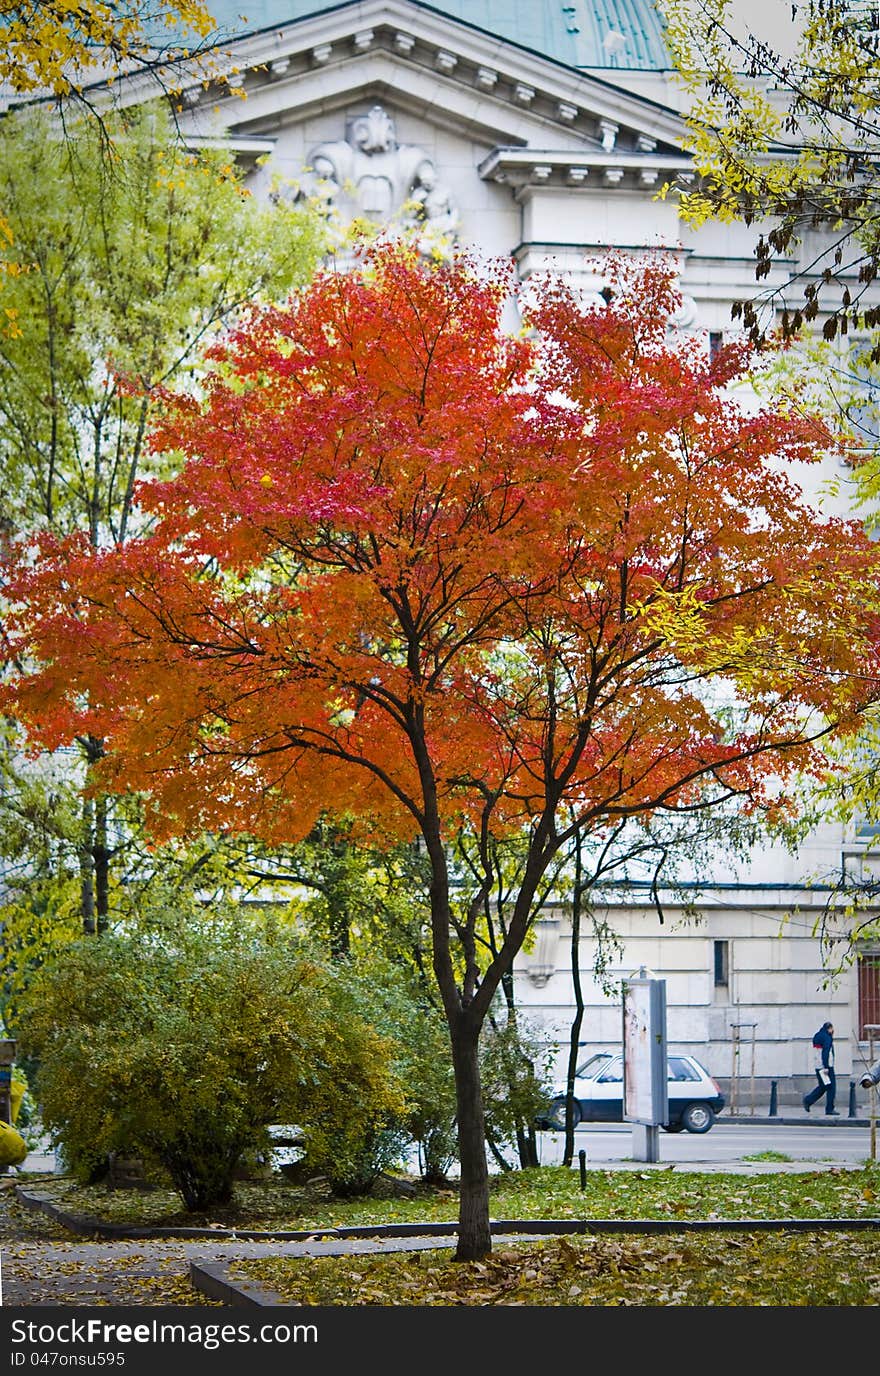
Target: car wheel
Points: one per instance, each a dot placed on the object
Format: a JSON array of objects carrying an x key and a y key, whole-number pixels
[
  {"x": 698, "y": 1118},
  {"x": 556, "y": 1115}
]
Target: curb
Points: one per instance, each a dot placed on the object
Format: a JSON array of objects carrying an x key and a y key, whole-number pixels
[
  {"x": 92, "y": 1227},
  {"x": 87, "y": 1226},
  {"x": 211, "y": 1278},
  {"x": 806, "y": 1121}
]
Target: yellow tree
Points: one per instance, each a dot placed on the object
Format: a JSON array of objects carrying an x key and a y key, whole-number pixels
[
  {"x": 51, "y": 48},
  {"x": 786, "y": 135}
]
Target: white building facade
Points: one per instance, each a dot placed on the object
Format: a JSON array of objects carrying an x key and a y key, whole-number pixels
[{"x": 544, "y": 132}]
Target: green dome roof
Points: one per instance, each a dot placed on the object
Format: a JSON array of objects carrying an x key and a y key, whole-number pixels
[{"x": 621, "y": 34}]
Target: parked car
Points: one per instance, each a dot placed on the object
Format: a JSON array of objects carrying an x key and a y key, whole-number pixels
[{"x": 694, "y": 1097}]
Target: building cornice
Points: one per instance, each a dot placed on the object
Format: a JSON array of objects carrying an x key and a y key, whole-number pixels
[
  {"x": 276, "y": 67},
  {"x": 527, "y": 170}
]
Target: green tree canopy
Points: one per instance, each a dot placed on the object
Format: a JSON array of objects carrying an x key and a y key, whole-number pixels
[{"x": 137, "y": 252}]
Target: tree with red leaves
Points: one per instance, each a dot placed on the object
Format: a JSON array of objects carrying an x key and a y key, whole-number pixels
[{"x": 442, "y": 579}]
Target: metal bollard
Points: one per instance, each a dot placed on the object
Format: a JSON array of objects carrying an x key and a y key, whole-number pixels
[
  {"x": 774, "y": 1110},
  {"x": 852, "y": 1099},
  {"x": 582, "y": 1158}
]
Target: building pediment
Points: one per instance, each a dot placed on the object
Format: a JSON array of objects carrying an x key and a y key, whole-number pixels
[
  {"x": 431, "y": 65},
  {"x": 394, "y": 111}
]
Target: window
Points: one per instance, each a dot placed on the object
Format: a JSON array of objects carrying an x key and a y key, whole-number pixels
[
  {"x": 869, "y": 994},
  {"x": 721, "y": 958},
  {"x": 591, "y": 1067},
  {"x": 680, "y": 1069}
]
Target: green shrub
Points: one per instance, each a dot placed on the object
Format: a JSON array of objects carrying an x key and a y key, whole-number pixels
[
  {"x": 394, "y": 1003},
  {"x": 182, "y": 1047},
  {"x": 354, "y": 1125},
  {"x": 514, "y": 1064}
]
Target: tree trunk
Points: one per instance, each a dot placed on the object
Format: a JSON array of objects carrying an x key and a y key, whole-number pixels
[
  {"x": 474, "y": 1233},
  {"x": 464, "y": 1022},
  {"x": 577, "y": 1021},
  {"x": 87, "y": 868},
  {"x": 94, "y": 852},
  {"x": 101, "y": 855}
]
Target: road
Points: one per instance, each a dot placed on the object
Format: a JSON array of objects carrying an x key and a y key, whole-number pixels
[{"x": 812, "y": 1143}]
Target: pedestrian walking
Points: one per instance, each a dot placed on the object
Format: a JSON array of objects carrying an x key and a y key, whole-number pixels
[{"x": 826, "y": 1083}]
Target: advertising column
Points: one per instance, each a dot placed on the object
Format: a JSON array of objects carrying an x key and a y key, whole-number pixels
[{"x": 645, "y": 1090}]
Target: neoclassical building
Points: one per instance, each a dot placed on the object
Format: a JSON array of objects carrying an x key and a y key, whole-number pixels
[{"x": 544, "y": 132}]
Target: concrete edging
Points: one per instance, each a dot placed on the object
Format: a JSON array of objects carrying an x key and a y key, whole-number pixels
[
  {"x": 87, "y": 1226},
  {"x": 212, "y": 1278},
  {"x": 807, "y": 1120},
  {"x": 91, "y": 1227}
]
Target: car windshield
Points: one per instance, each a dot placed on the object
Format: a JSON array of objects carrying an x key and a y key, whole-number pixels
[{"x": 591, "y": 1068}]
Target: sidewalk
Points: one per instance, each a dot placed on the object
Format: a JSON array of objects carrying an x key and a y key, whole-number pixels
[{"x": 797, "y": 1117}]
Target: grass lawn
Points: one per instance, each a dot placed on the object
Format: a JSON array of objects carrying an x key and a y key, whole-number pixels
[
  {"x": 547, "y": 1192},
  {"x": 741, "y": 1269}
]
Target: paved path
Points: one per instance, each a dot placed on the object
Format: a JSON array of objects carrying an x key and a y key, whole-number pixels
[{"x": 44, "y": 1265}]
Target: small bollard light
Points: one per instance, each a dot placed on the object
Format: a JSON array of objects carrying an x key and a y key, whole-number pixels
[
  {"x": 852, "y": 1099},
  {"x": 774, "y": 1108},
  {"x": 582, "y": 1158}
]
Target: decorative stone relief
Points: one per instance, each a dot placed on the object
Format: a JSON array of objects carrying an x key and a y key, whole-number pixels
[
  {"x": 369, "y": 174},
  {"x": 430, "y": 206},
  {"x": 685, "y": 317},
  {"x": 608, "y": 133},
  {"x": 540, "y": 962}
]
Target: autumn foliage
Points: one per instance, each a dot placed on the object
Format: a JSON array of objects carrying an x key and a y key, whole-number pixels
[
  {"x": 391, "y": 513},
  {"x": 421, "y": 571}
]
